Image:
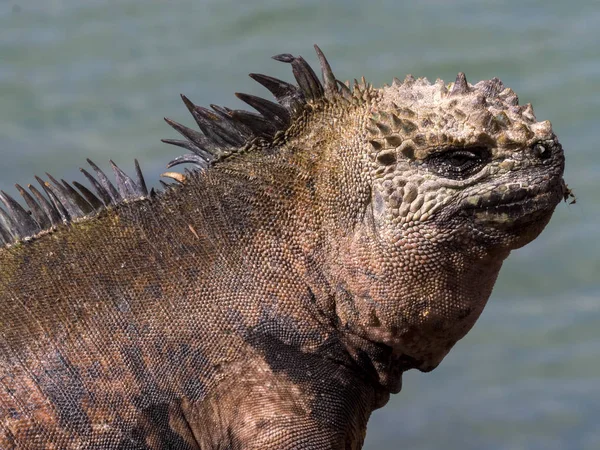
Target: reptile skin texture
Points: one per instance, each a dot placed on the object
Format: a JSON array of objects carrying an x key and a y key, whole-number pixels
[{"x": 272, "y": 296}]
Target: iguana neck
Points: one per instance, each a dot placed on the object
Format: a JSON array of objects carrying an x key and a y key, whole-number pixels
[{"x": 375, "y": 302}]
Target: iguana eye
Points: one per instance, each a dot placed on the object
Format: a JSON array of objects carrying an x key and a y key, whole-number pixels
[{"x": 458, "y": 163}]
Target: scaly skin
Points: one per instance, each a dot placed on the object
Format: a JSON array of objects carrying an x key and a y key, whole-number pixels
[{"x": 275, "y": 299}]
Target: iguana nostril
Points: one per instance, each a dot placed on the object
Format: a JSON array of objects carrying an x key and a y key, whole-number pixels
[{"x": 541, "y": 151}]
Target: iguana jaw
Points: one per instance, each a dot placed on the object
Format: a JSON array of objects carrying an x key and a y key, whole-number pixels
[{"x": 517, "y": 211}]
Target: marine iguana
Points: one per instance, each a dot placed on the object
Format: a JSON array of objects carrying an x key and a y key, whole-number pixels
[{"x": 273, "y": 297}]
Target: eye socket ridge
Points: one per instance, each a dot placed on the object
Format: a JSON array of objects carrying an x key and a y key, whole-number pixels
[{"x": 458, "y": 162}]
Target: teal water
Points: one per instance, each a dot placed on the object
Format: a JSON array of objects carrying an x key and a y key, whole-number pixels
[{"x": 94, "y": 78}]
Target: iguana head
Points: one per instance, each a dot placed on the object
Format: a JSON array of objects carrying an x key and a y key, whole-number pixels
[
  {"x": 450, "y": 179},
  {"x": 466, "y": 158}
]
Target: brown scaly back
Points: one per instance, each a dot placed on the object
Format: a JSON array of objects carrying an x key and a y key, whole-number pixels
[{"x": 223, "y": 132}]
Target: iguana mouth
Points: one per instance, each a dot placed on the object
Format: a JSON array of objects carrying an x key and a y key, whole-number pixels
[{"x": 516, "y": 204}]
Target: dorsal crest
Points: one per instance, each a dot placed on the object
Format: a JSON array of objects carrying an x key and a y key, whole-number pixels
[{"x": 223, "y": 132}]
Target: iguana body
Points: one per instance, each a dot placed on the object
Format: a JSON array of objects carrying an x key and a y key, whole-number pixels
[{"x": 273, "y": 299}]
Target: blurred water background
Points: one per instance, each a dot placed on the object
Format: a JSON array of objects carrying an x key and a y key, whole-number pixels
[{"x": 94, "y": 78}]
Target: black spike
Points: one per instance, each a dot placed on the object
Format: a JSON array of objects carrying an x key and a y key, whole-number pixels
[
  {"x": 236, "y": 130},
  {"x": 194, "y": 136},
  {"x": 208, "y": 122},
  {"x": 329, "y": 81},
  {"x": 21, "y": 218},
  {"x": 257, "y": 123},
  {"x": 307, "y": 79},
  {"x": 286, "y": 94},
  {"x": 126, "y": 186},
  {"x": 270, "y": 111},
  {"x": 5, "y": 237},
  {"x": 106, "y": 184},
  {"x": 284, "y": 57},
  {"x": 37, "y": 212},
  {"x": 100, "y": 190},
  {"x": 8, "y": 229},
  {"x": 77, "y": 198},
  {"x": 220, "y": 109},
  {"x": 60, "y": 193},
  {"x": 190, "y": 158},
  {"x": 223, "y": 132},
  {"x": 96, "y": 203},
  {"x": 51, "y": 212},
  {"x": 63, "y": 213},
  {"x": 220, "y": 128},
  {"x": 201, "y": 153},
  {"x": 140, "y": 178},
  {"x": 67, "y": 193},
  {"x": 190, "y": 106}
]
